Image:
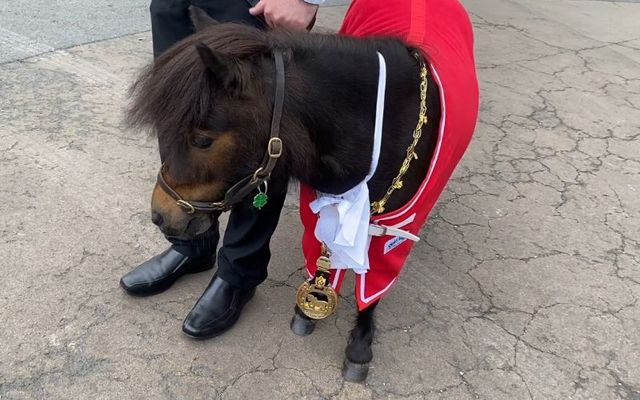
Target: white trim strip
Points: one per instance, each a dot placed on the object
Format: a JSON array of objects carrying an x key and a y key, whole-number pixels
[
  {"x": 336, "y": 278},
  {"x": 377, "y": 131},
  {"x": 365, "y": 299},
  {"x": 407, "y": 221}
]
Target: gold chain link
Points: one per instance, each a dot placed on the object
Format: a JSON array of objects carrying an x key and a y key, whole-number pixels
[{"x": 377, "y": 207}]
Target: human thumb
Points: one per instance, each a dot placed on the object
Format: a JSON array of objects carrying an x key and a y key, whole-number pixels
[{"x": 258, "y": 9}]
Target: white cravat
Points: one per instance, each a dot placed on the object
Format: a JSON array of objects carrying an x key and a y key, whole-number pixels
[{"x": 343, "y": 223}]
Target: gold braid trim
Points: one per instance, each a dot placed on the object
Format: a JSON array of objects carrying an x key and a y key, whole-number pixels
[{"x": 377, "y": 207}]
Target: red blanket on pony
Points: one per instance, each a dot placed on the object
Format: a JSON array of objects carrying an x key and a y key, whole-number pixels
[{"x": 443, "y": 31}]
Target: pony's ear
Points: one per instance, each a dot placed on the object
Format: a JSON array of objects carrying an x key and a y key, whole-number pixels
[
  {"x": 222, "y": 67},
  {"x": 200, "y": 19}
]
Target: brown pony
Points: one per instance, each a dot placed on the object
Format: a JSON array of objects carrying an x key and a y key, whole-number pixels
[{"x": 210, "y": 101}]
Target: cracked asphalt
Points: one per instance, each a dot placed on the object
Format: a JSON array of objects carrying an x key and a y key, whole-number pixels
[{"x": 525, "y": 284}]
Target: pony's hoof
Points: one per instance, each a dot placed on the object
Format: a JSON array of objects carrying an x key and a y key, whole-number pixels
[
  {"x": 302, "y": 326},
  {"x": 353, "y": 372}
]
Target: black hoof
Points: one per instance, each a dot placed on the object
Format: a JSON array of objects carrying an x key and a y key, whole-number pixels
[
  {"x": 353, "y": 372},
  {"x": 302, "y": 326}
]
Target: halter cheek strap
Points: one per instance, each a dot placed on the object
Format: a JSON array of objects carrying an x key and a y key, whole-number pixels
[{"x": 250, "y": 183}]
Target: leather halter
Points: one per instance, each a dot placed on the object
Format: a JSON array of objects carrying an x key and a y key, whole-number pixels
[{"x": 241, "y": 189}]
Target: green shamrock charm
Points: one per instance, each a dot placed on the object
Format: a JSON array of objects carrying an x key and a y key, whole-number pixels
[{"x": 260, "y": 200}]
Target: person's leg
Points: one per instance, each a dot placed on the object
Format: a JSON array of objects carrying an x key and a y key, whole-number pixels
[
  {"x": 242, "y": 265},
  {"x": 244, "y": 256},
  {"x": 170, "y": 23},
  {"x": 245, "y": 253},
  {"x": 230, "y": 11}
]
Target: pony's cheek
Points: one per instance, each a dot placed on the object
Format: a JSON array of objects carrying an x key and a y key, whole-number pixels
[
  {"x": 210, "y": 191},
  {"x": 221, "y": 159}
]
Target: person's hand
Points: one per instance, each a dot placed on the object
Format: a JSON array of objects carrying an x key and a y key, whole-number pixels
[{"x": 286, "y": 14}]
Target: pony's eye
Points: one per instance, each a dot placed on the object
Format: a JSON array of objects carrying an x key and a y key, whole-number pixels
[{"x": 201, "y": 142}]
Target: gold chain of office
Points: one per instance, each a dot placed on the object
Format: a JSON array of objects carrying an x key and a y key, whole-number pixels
[{"x": 377, "y": 207}]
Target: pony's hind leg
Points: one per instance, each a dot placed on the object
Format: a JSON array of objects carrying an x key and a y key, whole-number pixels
[
  {"x": 358, "y": 352},
  {"x": 302, "y": 325}
]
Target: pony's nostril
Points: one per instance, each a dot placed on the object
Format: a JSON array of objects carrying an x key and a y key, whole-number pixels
[{"x": 156, "y": 218}]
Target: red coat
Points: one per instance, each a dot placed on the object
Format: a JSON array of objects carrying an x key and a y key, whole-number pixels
[{"x": 443, "y": 31}]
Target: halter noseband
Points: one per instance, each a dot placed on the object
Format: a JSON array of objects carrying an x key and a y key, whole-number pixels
[{"x": 241, "y": 189}]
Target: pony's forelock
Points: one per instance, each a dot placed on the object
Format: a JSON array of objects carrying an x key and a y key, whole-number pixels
[{"x": 174, "y": 94}]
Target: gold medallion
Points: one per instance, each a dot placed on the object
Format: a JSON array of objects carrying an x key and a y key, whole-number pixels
[{"x": 315, "y": 301}]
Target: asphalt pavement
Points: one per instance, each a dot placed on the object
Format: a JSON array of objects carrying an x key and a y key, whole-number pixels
[{"x": 524, "y": 286}]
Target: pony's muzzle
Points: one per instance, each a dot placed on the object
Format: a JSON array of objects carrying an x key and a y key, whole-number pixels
[
  {"x": 156, "y": 218},
  {"x": 175, "y": 220}
]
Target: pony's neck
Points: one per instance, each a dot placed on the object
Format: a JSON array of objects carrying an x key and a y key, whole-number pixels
[
  {"x": 333, "y": 93},
  {"x": 332, "y": 96}
]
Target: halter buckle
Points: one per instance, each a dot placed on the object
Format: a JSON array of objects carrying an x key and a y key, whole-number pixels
[
  {"x": 186, "y": 206},
  {"x": 275, "y": 147}
]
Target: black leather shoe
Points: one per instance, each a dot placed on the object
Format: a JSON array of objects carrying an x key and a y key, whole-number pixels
[
  {"x": 217, "y": 310},
  {"x": 160, "y": 272}
]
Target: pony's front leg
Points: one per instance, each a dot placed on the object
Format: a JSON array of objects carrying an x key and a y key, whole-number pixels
[
  {"x": 358, "y": 352},
  {"x": 302, "y": 325}
]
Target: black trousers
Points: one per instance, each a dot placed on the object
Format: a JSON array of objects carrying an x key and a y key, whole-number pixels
[
  {"x": 245, "y": 254},
  {"x": 170, "y": 18}
]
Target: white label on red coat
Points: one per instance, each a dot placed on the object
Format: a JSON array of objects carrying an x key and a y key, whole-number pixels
[{"x": 393, "y": 243}]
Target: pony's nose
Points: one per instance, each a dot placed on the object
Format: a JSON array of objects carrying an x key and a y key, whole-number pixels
[{"x": 156, "y": 218}]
